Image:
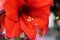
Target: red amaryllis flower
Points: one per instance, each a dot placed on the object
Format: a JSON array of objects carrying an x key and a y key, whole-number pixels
[{"x": 33, "y": 15}]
